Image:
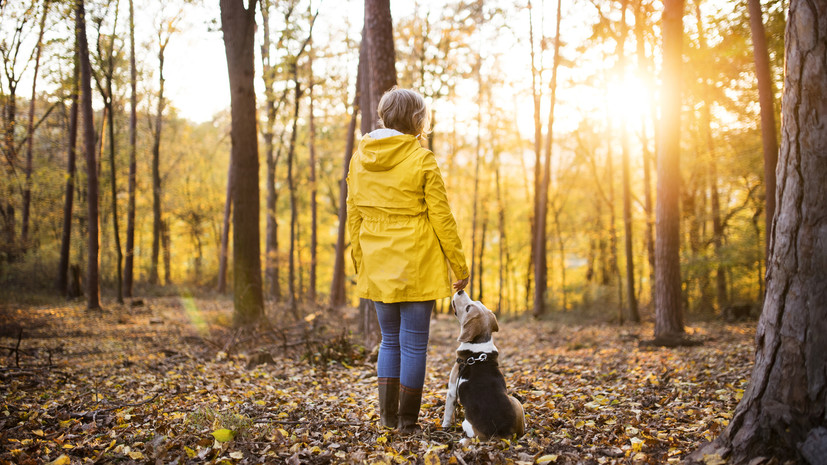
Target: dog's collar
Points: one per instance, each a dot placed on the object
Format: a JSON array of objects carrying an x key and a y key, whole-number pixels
[{"x": 473, "y": 358}]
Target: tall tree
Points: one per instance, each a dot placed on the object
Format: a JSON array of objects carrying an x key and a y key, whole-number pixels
[
  {"x": 668, "y": 311},
  {"x": 540, "y": 258},
  {"x": 238, "y": 25},
  {"x": 766, "y": 102},
  {"x": 223, "y": 248},
  {"x": 129, "y": 265},
  {"x": 71, "y": 170},
  {"x": 782, "y": 412},
  {"x": 27, "y": 192},
  {"x": 165, "y": 31},
  {"x": 337, "y": 285},
  {"x": 631, "y": 297},
  {"x": 381, "y": 52},
  {"x": 107, "y": 63},
  {"x": 92, "y": 277},
  {"x": 271, "y": 243},
  {"x": 314, "y": 239}
]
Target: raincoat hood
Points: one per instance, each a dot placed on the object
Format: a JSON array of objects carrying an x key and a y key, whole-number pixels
[{"x": 383, "y": 153}]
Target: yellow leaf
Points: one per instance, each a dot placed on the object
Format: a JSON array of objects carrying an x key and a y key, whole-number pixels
[
  {"x": 190, "y": 453},
  {"x": 237, "y": 455},
  {"x": 62, "y": 460},
  {"x": 547, "y": 459},
  {"x": 432, "y": 458},
  {"x": 137, "y": 455},
  {"x": 382, "y": 440},
  {"x": 223, "y": 435},
  {"x": 579, "y": 424},
  {"x": 38, "y": 432},
  {"x": 637, "y": 444},
  {"x": 714, "y": 459}
]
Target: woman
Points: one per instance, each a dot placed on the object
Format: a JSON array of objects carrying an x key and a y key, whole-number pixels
[{"x": 402, "y": 231}]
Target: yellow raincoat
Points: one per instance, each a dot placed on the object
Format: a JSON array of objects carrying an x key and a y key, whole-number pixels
[{"x": 400, "y": 224}]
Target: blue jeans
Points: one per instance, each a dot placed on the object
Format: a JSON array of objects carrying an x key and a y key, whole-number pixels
[{"x": 404, "y": 348}]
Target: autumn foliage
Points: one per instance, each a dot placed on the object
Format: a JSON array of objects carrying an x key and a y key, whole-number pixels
[{"x": 171, "y": 381}]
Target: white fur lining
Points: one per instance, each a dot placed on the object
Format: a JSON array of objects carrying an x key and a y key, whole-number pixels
[{"x": 382, "y": 133}]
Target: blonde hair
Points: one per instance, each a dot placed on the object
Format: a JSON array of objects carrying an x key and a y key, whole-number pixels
[{"x": 404, "y": 110}]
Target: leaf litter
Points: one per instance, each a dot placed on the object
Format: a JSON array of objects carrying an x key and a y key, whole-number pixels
[{"x": 171, "y": 382}]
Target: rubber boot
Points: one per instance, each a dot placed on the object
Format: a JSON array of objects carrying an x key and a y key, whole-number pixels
[
  {"x": 388, "y": 402},
  {"x": 409, "y": 403}
]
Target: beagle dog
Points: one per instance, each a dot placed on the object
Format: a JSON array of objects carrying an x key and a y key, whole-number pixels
[{"x": 476, "y": 380}]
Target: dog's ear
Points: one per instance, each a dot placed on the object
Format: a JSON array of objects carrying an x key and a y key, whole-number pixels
[
  {"x": 471, "y": 325},
  {"x": 495, "y": 326}
]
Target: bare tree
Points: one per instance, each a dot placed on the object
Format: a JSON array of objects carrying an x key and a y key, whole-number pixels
[
  {"x": 766, "y": 101},
  {"x": 133, "y": 166},
  {"x": 337, "y": 286},
  {"x": 238, "y": 25},
  {"x": 781, "y": 414},
  {"x": 540, "y": 258},
  {"x": 92, "y": 277},
  {"x": 668, "y": 311},
  {"x": 27, "y": 192},
  {"x": 104, "y": 85},
  {"x": 71, "y": 171},
  {"x": 166, "y": 28}
]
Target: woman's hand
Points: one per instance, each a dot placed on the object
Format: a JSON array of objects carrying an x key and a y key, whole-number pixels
[{"x": 460, "y": 285}]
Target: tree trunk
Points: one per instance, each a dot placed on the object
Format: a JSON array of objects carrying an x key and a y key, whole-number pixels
[
  {"x": 766, "y": 102},
  {"x": 27, "y": 192},
  {"x": 291, "y": 185},
  {"x": 225, "y": 232},
  {"x": 108, "y": 101},
  {"x": 337, "y": 286},
  {"x": 476, "y": 197},
  {"x": 238, "y": 26},
  {"x": 644, "y": 70},
  {"x": 380, "y": 49},
  {"x": 536, "y": 94},
  {"x": 156, "y": 169},
  {"x": 668, "y": 311},
  {"x": 782, "y": 412},
  {"x": 311, "y": 292},
  {"x": 133, "y": 166},
  {"x": 92, "y": 277},
  {"x": 66, "y": 238},
  {"x": 271, "y": 269},
  {"x": 631, "y": 297},
  {"x": 540, "y": 263},
  {"x": 715, "y": 203}
]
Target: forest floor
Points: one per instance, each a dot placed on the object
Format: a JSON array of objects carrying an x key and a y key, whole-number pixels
[{"x": 169, "y": 382}]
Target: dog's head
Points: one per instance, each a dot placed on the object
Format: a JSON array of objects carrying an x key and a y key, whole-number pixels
[{"x": 475, "y": 320}]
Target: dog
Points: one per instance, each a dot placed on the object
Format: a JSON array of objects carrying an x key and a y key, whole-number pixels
[{"x": 476, "y": 380}]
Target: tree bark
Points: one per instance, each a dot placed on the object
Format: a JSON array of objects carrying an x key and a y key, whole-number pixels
[
  {"x": 156, "y": 165},
  {"x": 291, "y": 186},
  {"x": 92, "y": 277},
  {"x": 27, "y": 192},
  {"x": 782, "y": 412},
  {"x": 271, "y": 269},
  {"x": 668, "y": 311},
  {"x": 766, "y": 101},
  {"x": 225, "y": 232},
  {"x": 540, "y": 259},
  {"x": 238, "y": 26},
  {"x": 71, "y": 170},
  {"x": 631, "y": 297},
  {"x": 337, "y": 286},
  {"x": 311, "y": 291},
  {"x": 129, "y": 265},
  {"x": 380, "y": 50}
]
